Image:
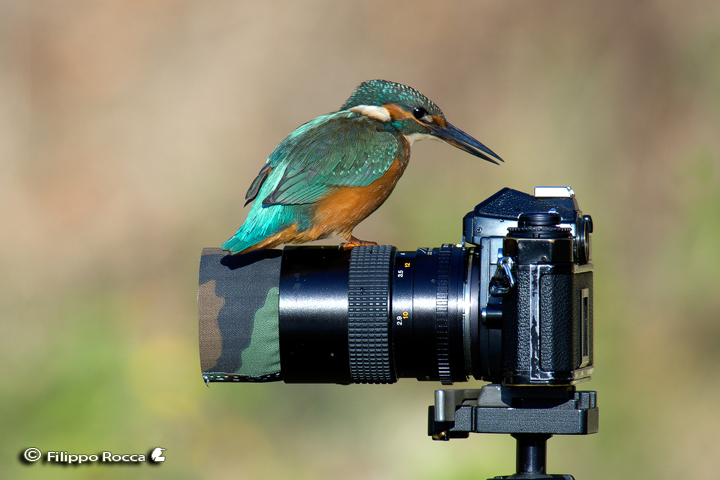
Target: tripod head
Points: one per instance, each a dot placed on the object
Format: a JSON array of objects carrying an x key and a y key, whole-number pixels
[{"x": 530, "y": 414}]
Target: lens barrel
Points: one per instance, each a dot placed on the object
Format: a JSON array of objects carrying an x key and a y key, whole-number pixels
[{"x": 373, "y": 314}]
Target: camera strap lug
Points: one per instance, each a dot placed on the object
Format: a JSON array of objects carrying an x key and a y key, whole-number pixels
[{"x": 503, "y": 280}]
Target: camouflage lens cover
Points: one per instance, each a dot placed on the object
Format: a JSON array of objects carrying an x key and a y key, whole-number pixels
[{"x": 238, "y": 299}]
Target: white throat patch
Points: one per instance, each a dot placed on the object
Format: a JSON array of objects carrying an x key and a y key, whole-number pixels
[{"x": 414, "y": 137}]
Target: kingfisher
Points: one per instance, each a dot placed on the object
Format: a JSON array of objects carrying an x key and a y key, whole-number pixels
[{"x": 332, "y": 172}]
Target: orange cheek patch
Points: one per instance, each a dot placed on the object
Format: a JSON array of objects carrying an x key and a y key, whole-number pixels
[{"x": 396, "y": 112}]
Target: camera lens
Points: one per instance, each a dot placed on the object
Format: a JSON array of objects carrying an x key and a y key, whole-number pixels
[{"x": 373, "y": 314}]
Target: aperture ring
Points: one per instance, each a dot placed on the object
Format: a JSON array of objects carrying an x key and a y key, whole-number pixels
[
  {"x": 442, "y": 327},
  {"x": 369, "y": 314}
]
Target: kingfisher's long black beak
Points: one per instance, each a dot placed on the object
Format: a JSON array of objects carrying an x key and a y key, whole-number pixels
[{"x": 457, "y": 138}]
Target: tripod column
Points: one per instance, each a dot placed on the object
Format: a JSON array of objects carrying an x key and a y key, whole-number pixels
[{"x": 531, "y": 453}]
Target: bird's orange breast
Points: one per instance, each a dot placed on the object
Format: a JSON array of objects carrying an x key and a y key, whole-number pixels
[{"x": 345, "y": 207}]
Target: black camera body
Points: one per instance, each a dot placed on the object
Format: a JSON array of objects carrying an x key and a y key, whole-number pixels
[{"x": 536, "y": 286}]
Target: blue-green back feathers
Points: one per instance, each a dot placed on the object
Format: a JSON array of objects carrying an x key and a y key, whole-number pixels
[{"x": 335, "y": 150}]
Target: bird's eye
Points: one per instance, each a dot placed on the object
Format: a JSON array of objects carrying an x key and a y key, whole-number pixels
[{"x": 419, "y": 112}]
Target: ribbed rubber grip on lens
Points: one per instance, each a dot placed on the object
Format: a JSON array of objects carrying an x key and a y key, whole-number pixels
[{"x": 369, "y": 314}]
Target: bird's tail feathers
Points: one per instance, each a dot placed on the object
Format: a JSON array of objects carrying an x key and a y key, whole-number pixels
[{"x": 261, "y": 223}]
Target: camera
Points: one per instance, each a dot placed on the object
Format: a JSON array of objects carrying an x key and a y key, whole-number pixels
[{"x": 511, "y": 304}]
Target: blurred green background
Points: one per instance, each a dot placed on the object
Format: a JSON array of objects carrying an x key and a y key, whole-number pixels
[{"x": 130, "y": 131}]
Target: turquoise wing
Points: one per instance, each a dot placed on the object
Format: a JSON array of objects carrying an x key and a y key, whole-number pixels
[{"x": 343, "y": 149}]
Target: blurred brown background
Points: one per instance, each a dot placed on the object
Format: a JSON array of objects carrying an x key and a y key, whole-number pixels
[{"x": 130, "y": 131}]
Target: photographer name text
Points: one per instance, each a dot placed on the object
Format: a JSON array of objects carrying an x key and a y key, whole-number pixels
[{"x": 32, "y": 455}]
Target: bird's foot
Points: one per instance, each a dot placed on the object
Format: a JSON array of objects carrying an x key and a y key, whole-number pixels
[{"x": 353, "y": 242}]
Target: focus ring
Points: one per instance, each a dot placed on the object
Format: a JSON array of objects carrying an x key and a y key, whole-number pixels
[{"x": 369, "y": 314}]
